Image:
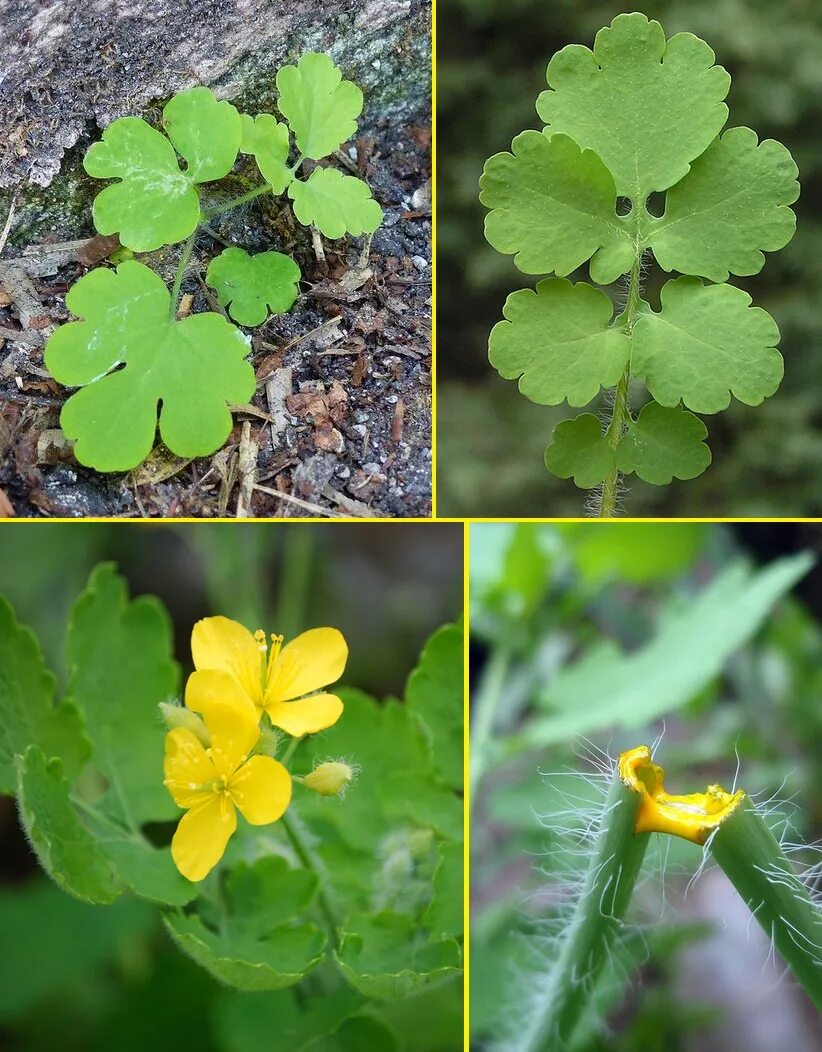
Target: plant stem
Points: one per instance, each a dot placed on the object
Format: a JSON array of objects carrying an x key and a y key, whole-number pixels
[
  {"x": 309, "y": 861},
  {"x": 621, "y": 409},
  {"x": 758, "y": 868},
  {"x": 289, "y": 752},
  {"x": 484, "y": 713},
  {"x": 182, "y": 266},
  {"x": 226, "y": 206},
  {"x": 612, "y": 871}
]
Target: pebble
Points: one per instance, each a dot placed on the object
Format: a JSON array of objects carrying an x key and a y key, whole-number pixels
[{"x": 420, "y": 262}]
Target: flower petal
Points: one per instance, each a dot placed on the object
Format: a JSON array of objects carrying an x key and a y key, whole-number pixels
[
  {"x": 202, "y": 835},
  {"x": 186, "y": 767},
  {"x": 219, "y": 643},
  {"x": 306, "y": 716},
  {"x": 262, "y": 790},
  {"x": 230, "y": 716},
  {"x": 312, "y": 660}
]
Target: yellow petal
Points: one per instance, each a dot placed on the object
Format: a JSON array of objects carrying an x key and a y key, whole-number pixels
[
  {"x": 186, "y": 767},
  {"x": 307, "y": 716},
  {"x": 202, "y": 835},
  {"x": 262, "y": 790},
  {"x": 312, "y": 660},
  {"x": 219, "y": 643},
  {"x": 230, "y": 716}
]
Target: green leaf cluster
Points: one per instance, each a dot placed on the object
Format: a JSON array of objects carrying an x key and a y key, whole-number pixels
[
  {"x": 87, "y": 771},
  {"x": 636, "y": 116},
  {"x": 128, "y": 354}
]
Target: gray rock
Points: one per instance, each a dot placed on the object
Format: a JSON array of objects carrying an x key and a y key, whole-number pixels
[{"x": 68, "y": 69}]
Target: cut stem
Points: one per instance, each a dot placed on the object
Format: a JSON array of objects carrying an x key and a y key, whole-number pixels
[
  {"x": 609, "y": 883},
  {"x": 750, "y": 855}
]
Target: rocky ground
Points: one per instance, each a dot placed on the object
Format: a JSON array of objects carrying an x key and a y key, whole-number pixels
[{"x": 340, "y": 424}]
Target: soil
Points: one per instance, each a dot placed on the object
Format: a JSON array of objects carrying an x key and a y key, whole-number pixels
[{"x": 340, "y": 424}]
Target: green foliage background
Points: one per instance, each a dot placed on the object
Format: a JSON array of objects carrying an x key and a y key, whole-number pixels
[
  {"x": 85, "y": 978},
  {"x": 587, "y": 637},
  {"x": 491, "y": 66}
]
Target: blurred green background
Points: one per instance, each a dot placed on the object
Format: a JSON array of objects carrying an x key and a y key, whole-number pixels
[
  {"x": 591, "y": 636},
  {"x": 491, "y": 440},
  {"x": 78, "y": 978}
]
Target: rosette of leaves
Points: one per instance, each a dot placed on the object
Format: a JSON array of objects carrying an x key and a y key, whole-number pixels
[
  {"x": 638, "y": 115},
  {"x": 86, "y": 769},
  {"x": 128, "y": 354}
]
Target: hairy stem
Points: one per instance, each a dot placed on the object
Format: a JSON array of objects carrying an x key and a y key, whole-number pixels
[
  {"x": 295, "y": 833},
  {"x": 758, "y": 868},
  {"x": 611, "y": 877},
  {"x": 484, "y": 712},
  {"x": 226, "y": 206},
  {"x": 182, "y": 266},
  {"x": 621, "y": 409}
]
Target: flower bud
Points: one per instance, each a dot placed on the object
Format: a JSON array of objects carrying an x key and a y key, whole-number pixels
[
  {"x": 331, "y": 778},
  {"x": 179, "y": 716},
  {"x": 269, "y": 742}
]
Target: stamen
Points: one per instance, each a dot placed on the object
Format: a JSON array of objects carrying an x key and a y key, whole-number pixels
[{"x": 259, "y": 639}]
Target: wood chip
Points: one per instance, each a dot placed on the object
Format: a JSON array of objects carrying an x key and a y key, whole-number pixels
[
  {"x": 160, "y": 465},
  {"x": 96, "y": 249},
  {"x": 397, "y": 422},
  {"x": 18, "y": 285},
  {"x": 277, "y": 390},
  {"x": 247, "y": 409},
  {"x": 247, "y": 471},
  {"x": 348, "y": 504},
  {"x": 6, "y": 506},
  {"x": 53, "y": 447},
  {"x": 185, "y": 305},
  {"x": 317, "y": 244},
  {"x": 315, "y": 509}
]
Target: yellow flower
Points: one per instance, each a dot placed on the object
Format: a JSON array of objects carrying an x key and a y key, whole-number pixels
[
  {"x": 233, "y": 664},
  {"x": 211, "y": 782}
]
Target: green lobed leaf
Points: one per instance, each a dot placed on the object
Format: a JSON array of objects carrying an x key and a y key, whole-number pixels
[
  {"x": 267, "y": 140},
  {"x": 262, "y": 895},
  {"x": 557, "y": 340},
  {"x": 204, "y": 131},
  {"x": 688, "y": 650},
  {"x": 320, "y": 106},
  {"x": 279, "y": 960},
  {"x": 434, "y": 694},
  {"x": 553, "y": 204},
  {"x": 120, "y": 657},
  {"x": 63, "y": 845},
  {"x": 28, "y": 715},
  {"x": 706, "y": 344},
  {"x": 647, "y": 107},
  {"x": 444, "y": 916},
  {"x": 251, "y": 286},
  {"x": 195, "y": 367},
  {"x": 663, "y": 443},
  {"x": 381, "y": 957},
  {"x": 731, "y": 205},
  {"x": 155, "y": 203},
  {"x": 335, "y": 204},
  {"x": 579, "y": 449}
]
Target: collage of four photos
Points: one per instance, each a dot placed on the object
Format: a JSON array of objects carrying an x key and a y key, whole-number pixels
[{"x": 410, "y": 526}]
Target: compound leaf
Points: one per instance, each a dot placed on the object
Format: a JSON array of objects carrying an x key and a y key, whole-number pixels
[
  {"x": 647, "y": 107},
  {"x": 154, "y": 203},
  {"x": 382, "y": 956},
  {"x": 120, "y": 658},
  {"x": 732, "y": 204},
  {"x": 706, "y": 344},
  {"x": 552, "y": 204},
  {"x": 280, "y": 959},
  {"x": 580, "y": 450},
  {"x": 196, "y": 367},
  {"x": 558, "y": 342},
  {"x": 66, "y": 849},
  {"x": 663, "y": 443},
  {"x": 320, "y": 106},
  {"x": 204, "y": 131},
  {"x": 250, "y": 286},
  {"x": 28, "y": 715},
  {"x": 335, "y": 204},
  {"x": 267, "y": 140}
]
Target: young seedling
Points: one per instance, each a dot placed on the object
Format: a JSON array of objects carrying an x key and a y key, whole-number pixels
[
  {"x": 129, "y": 355},
  {"x": 638, "y": 115},
  {"x": 732, "y": 831}
]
